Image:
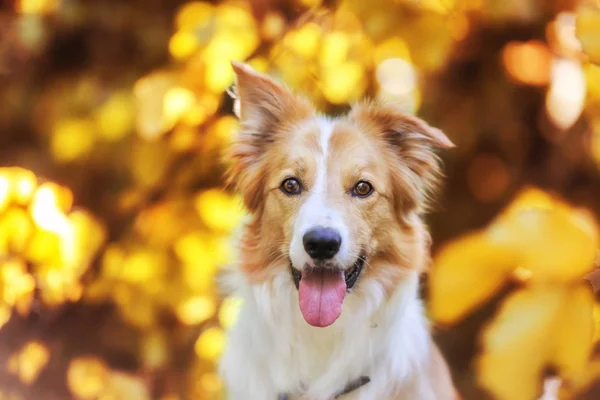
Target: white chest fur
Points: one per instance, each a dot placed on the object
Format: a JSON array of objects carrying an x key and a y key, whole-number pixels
[{"x": 271, "y": 349}]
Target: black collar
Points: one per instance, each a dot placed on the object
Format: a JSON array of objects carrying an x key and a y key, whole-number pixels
[{"x": 351, "y": 387}]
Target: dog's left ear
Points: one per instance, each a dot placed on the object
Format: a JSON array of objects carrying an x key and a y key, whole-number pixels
[{"x": 412, "y": 145}]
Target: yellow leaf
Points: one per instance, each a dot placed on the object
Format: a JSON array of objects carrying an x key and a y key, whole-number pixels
[
  {"x": 537, "y": 237},
  {"x": 16, "y": 285},
  {"x": 149, "y": 163},
  {"x": 394, "y": 47},
  {"x": 343, "y": 83},
  {"x": 272, "y": 26},
  {"x": 574, "y": 332},
  {"x": 38, "y": 6},
  {"x": 192, "y": 248},
  {"x": 24, "y": 183},
  {"x": 139, "y": 311},
  {"x": 305, "y": 40},
  {"x": 194, "y": 14},
  {"x": 553, "y": 240},
  {"x": 48, "y": 206},
  {"x": 196, "y": 310},
  {"x": 177, "y": 102},
  {"x": 588, "y": 30},
  {"x": 219, "y": 75},
  {"x": 143, "y": 265},
  {"x": 16, "y": 230},
  {"x": 219, "y": 210},
  {"x": 183, "y": 44},
  {"x": 466, "y": 273},
  {"x": 150, "y": 92},
  {"x": 44, "y": 246},
  {"x": 221, "y": 131},
  {"x": 87, "y": 377},
  {"x": 210, "y": 344},
  {"x": 123, "y": 386},
  {"x": 114, "y": 118},
  {"x": 29, "y": 362},
  {"x": 87, "y": 236},
  {"x": 155, "y": 349},
  {"x": 72, "y": 139},
  {"x": 536, "y": 328}
]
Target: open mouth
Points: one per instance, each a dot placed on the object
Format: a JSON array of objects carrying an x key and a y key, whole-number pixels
[
  {"x": 350, "y": 275},
  {"x": 321, "y": 291}
]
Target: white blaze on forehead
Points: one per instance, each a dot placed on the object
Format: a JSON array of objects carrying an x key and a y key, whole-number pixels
[
  {"x": 325, "y": 130},
  {"x": 316, "y": 211}
]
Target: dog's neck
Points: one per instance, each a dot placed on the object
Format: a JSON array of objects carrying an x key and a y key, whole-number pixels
[{"x": 360, "y": 343}]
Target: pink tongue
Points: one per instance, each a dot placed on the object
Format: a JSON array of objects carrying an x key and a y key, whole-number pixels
[{"x": 321, "y": 296}]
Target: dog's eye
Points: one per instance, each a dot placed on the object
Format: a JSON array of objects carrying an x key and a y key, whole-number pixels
[
  {"x": 291, "y": 186},
  {"x": 362, "y": 189}
]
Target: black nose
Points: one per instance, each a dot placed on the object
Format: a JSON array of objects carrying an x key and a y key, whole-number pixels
[{"x": 322, "y": 243}]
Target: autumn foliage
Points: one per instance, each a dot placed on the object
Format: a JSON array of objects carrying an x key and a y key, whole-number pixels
[{"x": 114, "y": 220}]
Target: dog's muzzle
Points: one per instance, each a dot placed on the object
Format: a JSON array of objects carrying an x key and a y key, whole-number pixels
[{"x": 350, "y": 275}]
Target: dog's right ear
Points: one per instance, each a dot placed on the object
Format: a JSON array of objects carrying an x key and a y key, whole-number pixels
[
  {"x": 262, "y": 103},
  {"x": 264, "y": 108}
]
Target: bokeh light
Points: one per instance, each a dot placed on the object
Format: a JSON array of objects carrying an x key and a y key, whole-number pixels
[
  {"x": 528, "y": 63},
  {"x": 115, "y": 224},
  {"x": 28, "y": 362},
  {"x": 566, "y": 94},
  {"x": 37, "y": 6}
]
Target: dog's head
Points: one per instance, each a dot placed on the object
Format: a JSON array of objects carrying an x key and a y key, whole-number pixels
[{"x": 333, "y": 201}]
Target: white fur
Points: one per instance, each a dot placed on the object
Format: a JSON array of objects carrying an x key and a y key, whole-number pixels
[
  {"x": 316, "y": 211},
  {"x": 272, "y": 350}
]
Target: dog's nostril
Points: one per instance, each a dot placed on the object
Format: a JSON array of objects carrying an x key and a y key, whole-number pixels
[{"x": 322, "y": 243}]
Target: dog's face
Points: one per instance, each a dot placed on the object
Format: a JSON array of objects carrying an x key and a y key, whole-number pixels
[{"x": 333, "y": 200}]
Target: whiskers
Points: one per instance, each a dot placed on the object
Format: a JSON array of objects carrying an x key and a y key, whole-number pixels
[
  {"x": 278, "y": 253},
  {"x": 359, "y": 253}
]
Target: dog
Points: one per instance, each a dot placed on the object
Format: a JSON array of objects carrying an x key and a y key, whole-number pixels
[{"x": 332, "y": 251}]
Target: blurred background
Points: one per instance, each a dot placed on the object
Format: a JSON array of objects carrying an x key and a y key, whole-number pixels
[{"x": 113, "y": 219}]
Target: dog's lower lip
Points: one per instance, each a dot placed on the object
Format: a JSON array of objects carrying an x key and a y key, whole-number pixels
[
  {"x": 297, "y": 275},
  {"x": 351, "y": 275}
]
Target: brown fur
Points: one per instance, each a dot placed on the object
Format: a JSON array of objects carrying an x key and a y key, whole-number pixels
[{"x": 279, "y": 138}]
